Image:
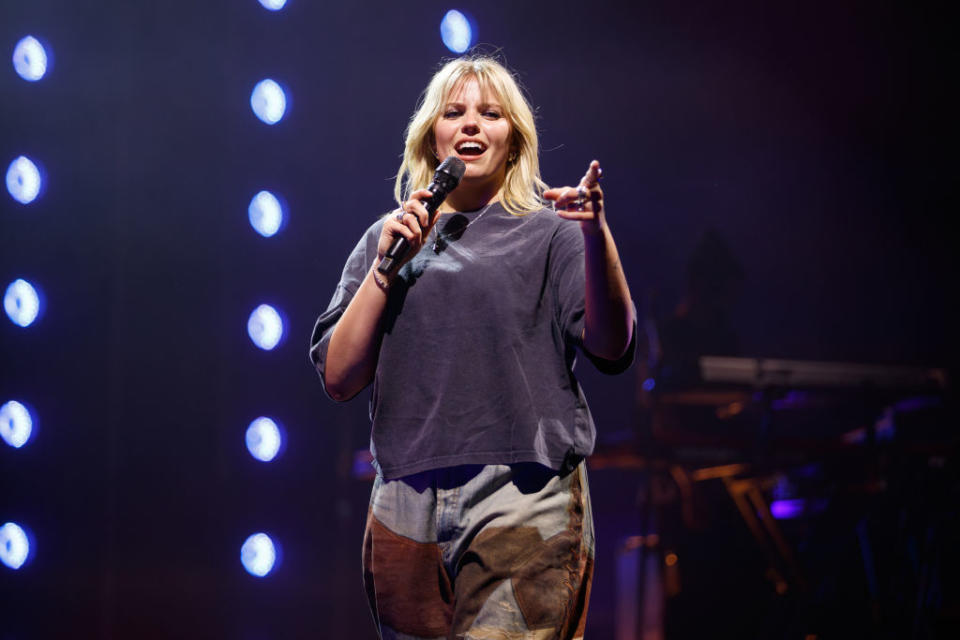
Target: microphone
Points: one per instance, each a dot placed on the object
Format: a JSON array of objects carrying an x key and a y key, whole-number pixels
[{"x": 445, "y": 180}]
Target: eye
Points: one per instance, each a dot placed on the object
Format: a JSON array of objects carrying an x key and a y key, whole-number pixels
[
  {"x": 451, "y": 113},
  {"x": 492, "y": 114}
]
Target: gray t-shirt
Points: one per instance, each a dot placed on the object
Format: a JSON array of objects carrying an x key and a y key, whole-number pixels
[{"x": 480, "y": 338}]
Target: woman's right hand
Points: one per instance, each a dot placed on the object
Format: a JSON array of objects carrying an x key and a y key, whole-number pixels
[
  {"x": 411, "y": 222},
  {"x": 355, "y": 343}
]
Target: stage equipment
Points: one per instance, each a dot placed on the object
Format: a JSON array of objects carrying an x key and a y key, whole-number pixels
[
  {"x": 835, "y": 471},
  {"x": 22, "y": 303},
  {"x": 24, "y": 180},
  {"x": 268, "y": 101},
  {"x": 16, "y": 424},
  {"x": 264, "y": 439},
  {"x": 265, "y": 327},
  {"x": 266, "y": 214}
]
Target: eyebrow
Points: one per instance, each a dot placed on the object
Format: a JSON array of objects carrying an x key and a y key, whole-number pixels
[{"x": 482, "y": 105}]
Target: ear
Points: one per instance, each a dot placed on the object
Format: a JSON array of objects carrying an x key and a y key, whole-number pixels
[{"x": 514, "y": 149}]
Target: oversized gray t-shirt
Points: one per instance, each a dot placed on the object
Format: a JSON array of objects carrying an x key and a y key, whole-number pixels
[{"x": 480, "y": 338}]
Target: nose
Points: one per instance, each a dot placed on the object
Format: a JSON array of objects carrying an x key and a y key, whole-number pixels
[{"x": 470, "y": 126}]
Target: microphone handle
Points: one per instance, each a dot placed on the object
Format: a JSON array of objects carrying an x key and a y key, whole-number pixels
[{"x": 400, "y": 247}]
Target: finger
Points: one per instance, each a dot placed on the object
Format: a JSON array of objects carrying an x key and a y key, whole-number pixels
[
  {"x": 593, "y": 175},
  {"x": 411, "y": 220},
  {"x": 421, "y": 195},
  {"x": 417, "y": 210},
  {"x": 596, "y": 200},
  {"x": 560, "y": 194},
  {"x": 575, "y": 206},
  {"x": 413, "y": 223},
  {"x": 396, "y": 228},
  {"x": 570, "y": 199},
  {"x": 579, "y": 216}
]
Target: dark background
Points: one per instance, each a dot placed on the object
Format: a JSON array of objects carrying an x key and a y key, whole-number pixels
[{"x": 817, "y": 140}]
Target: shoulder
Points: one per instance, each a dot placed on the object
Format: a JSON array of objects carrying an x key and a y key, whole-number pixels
[
  {"x": 545, "y": 221},
  {"x": 376, "y": 226},
  {"x": 543, "y": 227},
  {"x": 366, "y": 247},
  {"x": 371, "y": 236},
  {"x": 562, "y": 232}
]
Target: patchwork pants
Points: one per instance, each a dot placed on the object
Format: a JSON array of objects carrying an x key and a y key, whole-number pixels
[{"x": 494, "y": 552}]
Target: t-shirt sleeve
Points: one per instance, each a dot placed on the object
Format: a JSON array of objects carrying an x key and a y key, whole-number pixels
[
  {"x": 567, "y": 271},
  {"x": 354, "y": 271}
]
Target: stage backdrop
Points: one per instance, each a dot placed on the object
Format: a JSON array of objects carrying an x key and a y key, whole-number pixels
[{"x": 805, "y": 142}]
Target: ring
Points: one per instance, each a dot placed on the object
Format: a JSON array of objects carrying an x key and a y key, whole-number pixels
[
  {"x": 399, "y": 215},
  {"x": 581, "y": 197}
]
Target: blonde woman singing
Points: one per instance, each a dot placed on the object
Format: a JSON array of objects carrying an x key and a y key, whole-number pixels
[{"x": 479, "y": 523}]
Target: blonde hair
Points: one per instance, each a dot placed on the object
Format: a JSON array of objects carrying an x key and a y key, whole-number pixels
[{"x": 522, "y": 186}]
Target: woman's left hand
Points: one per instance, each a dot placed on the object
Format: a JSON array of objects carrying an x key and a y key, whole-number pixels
[{"x": 583, "y": 203}]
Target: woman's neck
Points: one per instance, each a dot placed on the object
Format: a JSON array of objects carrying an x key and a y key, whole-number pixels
[{"x": 467, "y": 197}]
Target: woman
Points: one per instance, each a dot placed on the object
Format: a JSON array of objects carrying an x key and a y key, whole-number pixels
[{"x": 479, "y": 523}]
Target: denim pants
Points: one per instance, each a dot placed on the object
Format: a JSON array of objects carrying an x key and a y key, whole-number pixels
[{"x": 471, "y": 552}]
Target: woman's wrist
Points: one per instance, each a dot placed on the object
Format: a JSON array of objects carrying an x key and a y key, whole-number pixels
[
  {"x": 594, "y": 230},
  {"x": 383, "y": 282}
]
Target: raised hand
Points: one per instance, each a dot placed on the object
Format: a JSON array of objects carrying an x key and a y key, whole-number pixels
[
  {"x": 412, "y": 222},
  {"x": 583, "y": 203}
]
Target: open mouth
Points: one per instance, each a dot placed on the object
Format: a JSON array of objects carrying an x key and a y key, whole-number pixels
[{"x": 470, "y": 148}]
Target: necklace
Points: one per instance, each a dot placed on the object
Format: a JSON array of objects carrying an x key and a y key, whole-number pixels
[{"x": 440, "y": 239}]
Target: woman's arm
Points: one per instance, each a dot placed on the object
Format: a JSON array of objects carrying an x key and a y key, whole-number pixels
[
  {"x": 355, "y": 343},
  {"x": 608, "y": 317}
]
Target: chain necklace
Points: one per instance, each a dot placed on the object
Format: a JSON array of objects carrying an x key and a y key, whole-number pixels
[{"x": 440, "y": 239}]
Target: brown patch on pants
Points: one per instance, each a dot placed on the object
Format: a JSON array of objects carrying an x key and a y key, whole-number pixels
[
  {"x": 411, "y": 593},
  {"x": 551, "y": 578}
]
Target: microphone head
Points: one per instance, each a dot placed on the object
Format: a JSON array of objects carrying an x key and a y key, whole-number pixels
[{"x": 453, "y": 167}]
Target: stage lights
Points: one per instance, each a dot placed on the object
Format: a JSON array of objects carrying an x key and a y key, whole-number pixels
[
  {"x": 30, "y": 59},
  {"x": 265, "y": 213},
  {"x": 264, "y": 439},
  {"x": 21, "y": 302},
  {"x": 455, "y": 31},
  {"x": 786, "y": 509},
  {"x": 16, "y": 424},
  {"x": 258, "y": 555},
  {"x": 265, "y": 327},
  {"x": 14, "y": 545},
  {"x": 24, "y": 180},
  {"x": 268, "y": 101}
]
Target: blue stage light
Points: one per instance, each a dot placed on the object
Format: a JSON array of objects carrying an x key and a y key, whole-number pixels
[
  {"x": 268, "y": 101},
  {"x": 16, "y": 424},
  {"x": 265, "y": 213},
  {"x": 24, "y": 180},
  {"x": 455, "y": 31},
  {"x": 30, "y": 59},
  {"x": 786, "y": 509},
  {"x": 14, "y": 545},
  {"x": 258, "y": 555},
  {"x": 274, "y": 5},
  {"x": 265, "y": 327},
  {"x": 264, "y": 439},
  {"x": 21, "y": 302}
]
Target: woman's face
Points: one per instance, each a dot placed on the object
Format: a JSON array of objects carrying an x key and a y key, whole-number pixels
[{"x": 474, "y": 128}]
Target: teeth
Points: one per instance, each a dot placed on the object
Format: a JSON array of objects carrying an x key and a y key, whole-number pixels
[{"x": 469, "y": 145}]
